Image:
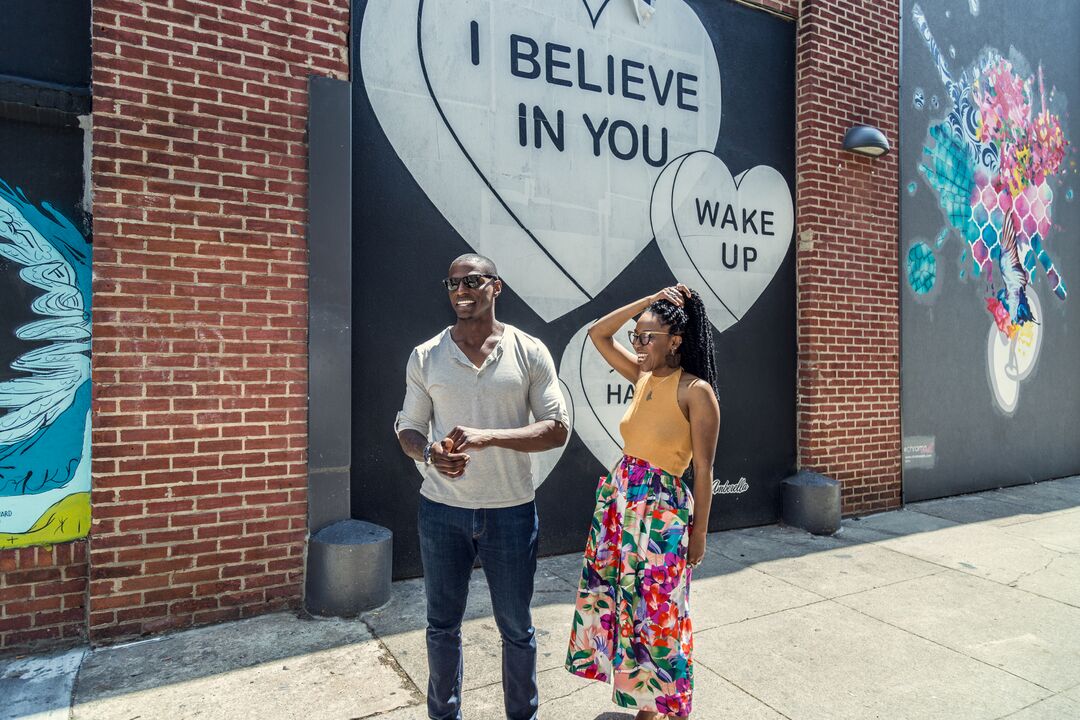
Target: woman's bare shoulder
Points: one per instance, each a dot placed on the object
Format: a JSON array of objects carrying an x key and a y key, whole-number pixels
[{"x": 697, "y": 389}]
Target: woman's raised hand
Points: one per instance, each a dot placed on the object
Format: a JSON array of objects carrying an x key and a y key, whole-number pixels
[{"x": 676, "y": 294}]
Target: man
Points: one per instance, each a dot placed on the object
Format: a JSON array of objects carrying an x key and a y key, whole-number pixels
[{"x": 473, "y": 387}]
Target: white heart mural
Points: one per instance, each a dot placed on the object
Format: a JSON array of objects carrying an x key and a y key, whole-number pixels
[
  {"x": 539, "y": 129},
  {"x": 544, "y": 462},
  {"x": 721, "y": 235},
  {"x": 599, "y": 395}
]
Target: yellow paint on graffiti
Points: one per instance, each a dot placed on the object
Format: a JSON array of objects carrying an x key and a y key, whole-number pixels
[
  {"x": 68, "y": 519},
  {"x": 1025, "y": 340}
]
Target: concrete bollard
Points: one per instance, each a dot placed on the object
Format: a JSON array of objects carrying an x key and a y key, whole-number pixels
[
  {"x": 349, "y": 569},
  {"x": 812, "y": 502}
]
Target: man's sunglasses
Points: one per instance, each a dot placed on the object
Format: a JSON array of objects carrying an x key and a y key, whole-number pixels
[{"x": 472, "y": 281}]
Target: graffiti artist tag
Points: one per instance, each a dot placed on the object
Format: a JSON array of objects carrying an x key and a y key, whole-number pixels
[{"x": 730, "y": 488}]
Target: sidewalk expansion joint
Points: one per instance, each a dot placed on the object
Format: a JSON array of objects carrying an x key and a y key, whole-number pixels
[
  {"x": 754, "y": 568},
  {"x": 75, "y": 683},
  {"x": 939, "y": 571},
  {"x": 740, "y": 688},
  {"x": 1040, "y": 700},
  {"x": 734, "y": 623},
  {"x": 951, "y": 649},
  {"x": 585, "y": 686},
  {"x": 387, "y": 658}
]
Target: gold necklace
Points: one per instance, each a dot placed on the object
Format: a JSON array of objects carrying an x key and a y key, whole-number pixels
[{"x": 648, "y": 396}]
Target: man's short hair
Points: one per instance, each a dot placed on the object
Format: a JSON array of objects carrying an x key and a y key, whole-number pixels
[{"x": 483, "y": 263}]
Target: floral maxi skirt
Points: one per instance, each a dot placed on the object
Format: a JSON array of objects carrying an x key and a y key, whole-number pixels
[{"x": 632, "y": 622}]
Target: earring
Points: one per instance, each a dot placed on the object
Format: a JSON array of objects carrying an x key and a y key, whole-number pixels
[{"x": 673, "y": 358}]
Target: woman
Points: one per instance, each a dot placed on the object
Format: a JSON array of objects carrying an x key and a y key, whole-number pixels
[{"x": 632, "y": 623}]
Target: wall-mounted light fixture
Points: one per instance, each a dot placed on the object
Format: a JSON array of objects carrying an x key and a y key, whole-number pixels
[{"x": 866, "y": 140}]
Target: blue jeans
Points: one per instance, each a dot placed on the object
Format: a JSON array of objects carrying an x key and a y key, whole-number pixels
[{"x": 451, "y": 538}]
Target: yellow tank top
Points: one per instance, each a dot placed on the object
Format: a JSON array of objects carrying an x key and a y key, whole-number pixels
[{"x": 654, "y": 428}]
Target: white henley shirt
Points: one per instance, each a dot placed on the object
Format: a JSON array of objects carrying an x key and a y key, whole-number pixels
[{"x": 515, "y": 386}]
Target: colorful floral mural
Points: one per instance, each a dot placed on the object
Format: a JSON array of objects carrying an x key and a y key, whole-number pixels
[{"x": 991, "y": 164}]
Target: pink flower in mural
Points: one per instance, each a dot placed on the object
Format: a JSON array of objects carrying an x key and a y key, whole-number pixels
[
  {"x": 991, "y": 162},
  {"x": 1012, "y": 203}
]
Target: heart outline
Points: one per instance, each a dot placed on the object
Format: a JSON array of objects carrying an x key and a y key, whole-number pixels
[
  {"x": 593, "y": 431},
  {"x": 459, "y": 176},
  {"x": 652, "y": 225},
  {"x": 667, "y": 213},
  {"x": 595, "y": 18},
  {"x": 469, "y": 158},
  {"x": 581, "y": 368}
]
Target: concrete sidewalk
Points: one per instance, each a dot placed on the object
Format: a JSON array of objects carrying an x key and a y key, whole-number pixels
[{"x": 967, "y": 607}]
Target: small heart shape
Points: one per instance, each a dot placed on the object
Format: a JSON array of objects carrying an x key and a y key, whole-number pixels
[
  {"x": 721, "y": 235},
  {"x": 598, "y": 394},
  {"x": 595, "y": 8}
]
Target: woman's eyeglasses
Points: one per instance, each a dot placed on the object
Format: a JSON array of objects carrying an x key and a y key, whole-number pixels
[
  {"x": 643, "y": 338},
  {"x": 472, "y": 281}
]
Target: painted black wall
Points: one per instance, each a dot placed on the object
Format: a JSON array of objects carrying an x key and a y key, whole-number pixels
[
  {"x": 946, "y": 391},
  {"x": 403, "y": 246},
  {"x": 47, "y": 40}
]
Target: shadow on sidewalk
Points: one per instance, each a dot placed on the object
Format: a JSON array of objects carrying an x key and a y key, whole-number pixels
[
  {"x": 270, "y": 651},
  {"x": 732, "y": 551}
]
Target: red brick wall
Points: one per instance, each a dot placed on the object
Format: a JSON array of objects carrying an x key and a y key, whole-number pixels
[
  {"x": 200, "y": 306},
  {"x": 42, "y": 596},
  {"x": 847, "y": 234}
]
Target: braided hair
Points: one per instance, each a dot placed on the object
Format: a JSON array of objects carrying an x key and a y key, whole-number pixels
[{"x": 696, "y": 355}]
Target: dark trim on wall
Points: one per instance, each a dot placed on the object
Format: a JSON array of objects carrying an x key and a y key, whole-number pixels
[
  {"x": 41, "y": 102},
  {"x": 757, "y": 5},
  {"x": 329, "y": 301}
]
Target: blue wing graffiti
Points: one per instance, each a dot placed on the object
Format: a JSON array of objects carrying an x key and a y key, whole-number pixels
[{"x": 46, "y": 405}]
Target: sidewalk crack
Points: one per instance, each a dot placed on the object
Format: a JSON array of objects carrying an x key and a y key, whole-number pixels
[
  {"x": 387, "y": 658},
  {"x": 1032, "y": 572}
]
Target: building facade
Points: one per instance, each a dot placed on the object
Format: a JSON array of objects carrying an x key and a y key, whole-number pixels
[{"x": 162, "y": 179}]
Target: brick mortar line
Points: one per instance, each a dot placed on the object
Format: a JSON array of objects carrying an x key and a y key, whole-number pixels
[
  {"x": 291, "y": 71},
  {"x": 218, "y": 551},
  {"x": 265, "y": 163},
  {"x": 119, "y": 12},
  {"x": 113, "y": 43},
  {"x": 197, "y": 111}
]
